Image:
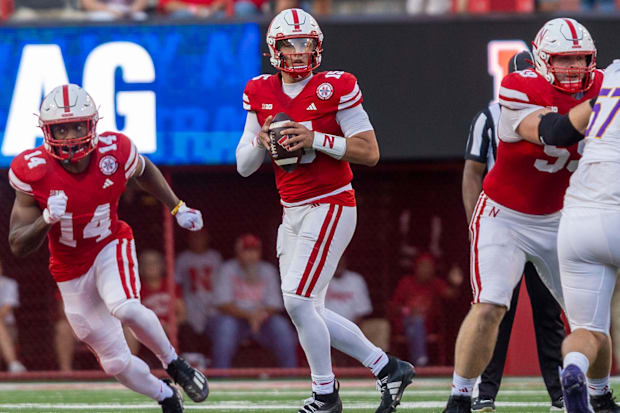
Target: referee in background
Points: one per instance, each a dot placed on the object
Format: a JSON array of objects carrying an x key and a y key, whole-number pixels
[{"x": 479, "y": 159}]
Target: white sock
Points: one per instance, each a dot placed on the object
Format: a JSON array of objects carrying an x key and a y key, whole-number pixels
[
  {"x": 598, "y": 387},
  {"x": 138, "y": 378},
  {"x": 347, "y": 337},
  {"x": 164, "y": 393},
  {"x": 323, "y": 384},
  {"x": 313, "y": 335},
  {"x": 148, "y": 330},
  {"x": 462, "y": 386},
  {"x": 377, "y": 361},
  {"x": 578, "y": 359}
]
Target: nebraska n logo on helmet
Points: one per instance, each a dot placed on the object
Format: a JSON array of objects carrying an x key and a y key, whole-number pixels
[
  {"x": 295, "y": 42},
  {"x": 68, "y": 104},
  {"x": 565, "y": 37}
]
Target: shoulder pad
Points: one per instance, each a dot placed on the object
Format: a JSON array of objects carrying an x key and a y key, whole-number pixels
[
  {"x": 252, "y": 88},
  {"x": 27, "y": 168},
  {"x": 521, "y": 90},
  {"x": 122, "y": 147},
  {"x": 346, "y": 91}
]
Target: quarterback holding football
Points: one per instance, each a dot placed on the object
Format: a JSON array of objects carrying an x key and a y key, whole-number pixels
[{"x": 331, "y": 129}]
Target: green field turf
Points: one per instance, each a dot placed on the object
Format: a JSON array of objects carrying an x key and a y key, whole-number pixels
[{"x": 522, "y": 395}]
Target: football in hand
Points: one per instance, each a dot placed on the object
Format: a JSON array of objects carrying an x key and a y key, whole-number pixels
[{"x": 281, "y": 155}]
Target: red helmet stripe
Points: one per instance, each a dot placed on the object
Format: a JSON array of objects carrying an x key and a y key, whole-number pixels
[
  {"x": 296, "y": 19},
  {"x": 65, "y": 97},
  {"x": 573, "y": 32}
]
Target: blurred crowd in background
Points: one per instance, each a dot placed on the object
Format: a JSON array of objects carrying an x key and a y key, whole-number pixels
[{"x": 137, "y": 10}]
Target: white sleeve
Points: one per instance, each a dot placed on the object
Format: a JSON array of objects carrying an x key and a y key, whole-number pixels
[
  {"x": 509, "y": 121},
  {"x": 250, "y": 152},
  {"x": 353, "y": 120}
]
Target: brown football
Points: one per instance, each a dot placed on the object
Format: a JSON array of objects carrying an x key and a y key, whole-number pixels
[{"x": 285, "y": 159}]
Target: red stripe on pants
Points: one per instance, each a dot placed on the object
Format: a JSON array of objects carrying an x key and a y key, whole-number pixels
[
  {"x": 319, "y": 268},
  {"x": 121, "y": 267},
  {"x": 315, "y": 250},
  {"x": 132, "y": 275},
  {"x": 476, "y": 262}
]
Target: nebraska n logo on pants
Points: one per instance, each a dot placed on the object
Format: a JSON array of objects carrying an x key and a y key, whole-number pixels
[{"x": 311, "y": 241}]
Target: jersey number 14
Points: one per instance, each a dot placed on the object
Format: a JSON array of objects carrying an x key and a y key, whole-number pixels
[{"x": 98, "y": 227}]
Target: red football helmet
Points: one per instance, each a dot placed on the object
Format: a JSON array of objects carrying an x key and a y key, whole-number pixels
[
  {"x": 298, "y": 30},
  {"x": 564, "y": 36},
  {"x": 69, "y": 104}
]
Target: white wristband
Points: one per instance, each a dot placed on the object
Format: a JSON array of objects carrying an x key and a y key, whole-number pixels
[{"x": 332, "y": 145}]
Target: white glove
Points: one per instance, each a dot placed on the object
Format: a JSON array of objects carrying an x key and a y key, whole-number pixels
[
  {"x": 56, "y": 208},
  {"x": 189, "y": 218}
]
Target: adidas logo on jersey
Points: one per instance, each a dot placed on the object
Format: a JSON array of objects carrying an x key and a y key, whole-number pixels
[
  {"x": 311, "y": 107},
  {"x": 107, "y": 183}
]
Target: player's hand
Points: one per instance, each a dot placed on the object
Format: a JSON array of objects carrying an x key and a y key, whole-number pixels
[
  {"x": 299, "y": 136},
  {"x": 189, "y": 218},
  {"x": 263, "y": 135},
  {"x": 56, "y": 208}
]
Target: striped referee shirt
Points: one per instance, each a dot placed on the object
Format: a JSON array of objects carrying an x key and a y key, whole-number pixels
[{"x": 482, "y": 140}]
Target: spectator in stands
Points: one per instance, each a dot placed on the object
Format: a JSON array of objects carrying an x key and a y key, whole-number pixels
[
  {"x": 347, "y": 295},
  {"x": 115, "y": 9},
  {"x": 194, "y": 272},
  {"x": 9, "y": 300},
  {"x": 319, "y": 7},
  {"x": 45, "y": 9},
  {"x": 247, "y": 294},
  {"x": 434, "y": 7},
  {"x": 417, "y": 308},
  {"x": 202, "y": 9},
  {"x": 155, "y": 295}
]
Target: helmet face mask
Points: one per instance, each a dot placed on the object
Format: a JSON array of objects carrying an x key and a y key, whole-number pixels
[
  {"x": 295, "y": 42},
  {"x": 297, "y": 55},
  {"x": 71, "y": 106},
  {"x": 565, "y": 55},
  {"x": 70, "y": 149}
]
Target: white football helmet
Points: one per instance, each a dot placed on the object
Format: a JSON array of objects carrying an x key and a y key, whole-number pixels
[
  {"x": 564, "y": 36},
  {"x": 296, "y": 29},
  {"x": 68, "y": 104}
]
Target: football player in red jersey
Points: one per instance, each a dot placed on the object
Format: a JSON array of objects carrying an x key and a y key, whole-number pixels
[
  {"x": 319, "y": 217},
  {"x": 517, "y": 215},
  {"x": 68, "y": 190}
]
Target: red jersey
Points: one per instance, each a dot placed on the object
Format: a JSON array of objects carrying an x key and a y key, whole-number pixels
[
  {"x": 91, "y": 220},
  {"x": 531, "y": 178},
  {"x": 158, "y": 299},
  {"x": 315, "y": 107}
]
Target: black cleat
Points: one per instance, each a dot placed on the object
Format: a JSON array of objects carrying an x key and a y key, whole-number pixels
[
  {"x": 391, "y": 382},
  {"x": 458, "y": 404},
  {"x": 174, "y": 403},
  {"x": 323, "y": 403},
  {"x": 482, "y": 404},
  {"x": 193, "y": 381},
  {"x": 605, "y": 403}
]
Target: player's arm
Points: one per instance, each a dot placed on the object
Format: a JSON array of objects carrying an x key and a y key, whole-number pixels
[
  {"x": 359, "y": 145},
  {"x": 472, "y": 185},
  {"x": 27, "y": 227},
  {"x": 149, "y": 178},
  {"x": 545, "y": 127},
  {"x": 250, "y": 152}
]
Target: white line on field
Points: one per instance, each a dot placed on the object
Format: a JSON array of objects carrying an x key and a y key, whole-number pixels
[{"x": 238, "y": 405}]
